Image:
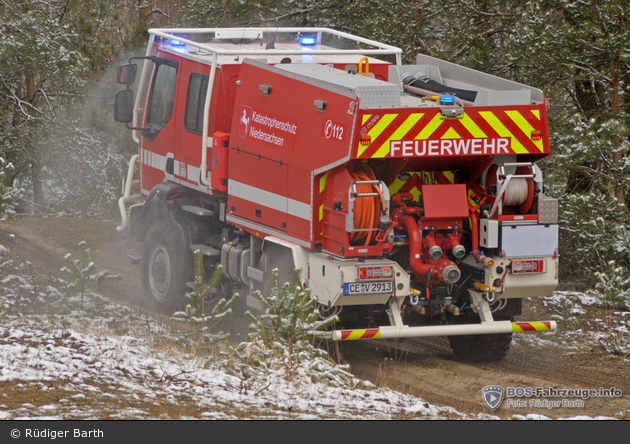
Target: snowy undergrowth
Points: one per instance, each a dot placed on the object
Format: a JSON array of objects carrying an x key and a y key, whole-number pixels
[
  {"x": 577, "y": 333},
  {"x": 107, "y": 361},
  {"x": 281, "y": 341}
]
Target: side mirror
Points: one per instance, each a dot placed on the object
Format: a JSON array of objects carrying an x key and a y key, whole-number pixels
[
  {"x": 123, "y": 106},
  {"x": 126, "y": 73}
]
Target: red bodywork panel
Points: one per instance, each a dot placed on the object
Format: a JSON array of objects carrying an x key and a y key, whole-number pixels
[
  {"x": 439, "y": 215},
  {"x": 279, "y": 147}
]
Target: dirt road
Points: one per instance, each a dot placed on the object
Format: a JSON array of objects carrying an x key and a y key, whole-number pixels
[{"x": 423, "y": 367}]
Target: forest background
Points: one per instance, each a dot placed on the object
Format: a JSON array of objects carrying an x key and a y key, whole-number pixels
[{"x": 61, "y": 152}]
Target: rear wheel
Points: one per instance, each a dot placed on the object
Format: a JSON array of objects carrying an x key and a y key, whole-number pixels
[
  {"x": 163, "y": 268},
  {"x": 481, "y": 348}
]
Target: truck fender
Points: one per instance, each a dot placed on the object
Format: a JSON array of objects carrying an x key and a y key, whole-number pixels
[
  {"x": 298, "y": 254},
  {"x": 156, "y": 207}
]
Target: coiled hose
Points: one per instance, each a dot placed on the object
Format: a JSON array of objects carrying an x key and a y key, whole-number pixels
[{"x": 366, "y": 210}]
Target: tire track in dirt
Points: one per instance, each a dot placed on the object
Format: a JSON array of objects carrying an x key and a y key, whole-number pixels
[
  {"x": 46, "y": 251},
  {"x": 46, "y": 260},
  {"x": 428, "y": 369}
]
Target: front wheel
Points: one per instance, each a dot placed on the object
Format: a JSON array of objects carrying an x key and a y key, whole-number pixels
[{"x": 163, "y": 268}]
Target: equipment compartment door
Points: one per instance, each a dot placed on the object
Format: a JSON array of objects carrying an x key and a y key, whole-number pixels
[{"x": 257, "y": 189}]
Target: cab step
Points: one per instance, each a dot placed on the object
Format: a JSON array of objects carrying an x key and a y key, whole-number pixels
[{"x": 206, "y": 250}]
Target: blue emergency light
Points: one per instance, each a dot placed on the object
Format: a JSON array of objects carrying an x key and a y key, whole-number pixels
[
  {"x": 447, "y": 100},
  {"x": 308, "y": 41}
]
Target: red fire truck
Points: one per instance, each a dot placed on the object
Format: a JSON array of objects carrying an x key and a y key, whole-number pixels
[{"x": 407, "y": 195}]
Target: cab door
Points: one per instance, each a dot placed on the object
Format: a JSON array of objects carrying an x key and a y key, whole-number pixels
[
  {"x": 190, "y": 138},
  {"x": 157, "y": 138}
]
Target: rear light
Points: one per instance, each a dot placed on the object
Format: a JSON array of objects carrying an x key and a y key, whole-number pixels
[
  {"x": 366, "y": 140},
  {"x": 530, "y": 266},
  {"x": 376, "y": 272},
  {"x": 536, "y": 135}
]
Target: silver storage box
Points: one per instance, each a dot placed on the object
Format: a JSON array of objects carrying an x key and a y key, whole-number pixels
[{"x": 547, "y": 210}]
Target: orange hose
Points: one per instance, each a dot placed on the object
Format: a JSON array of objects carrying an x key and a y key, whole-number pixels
[{"x": 365, "y": 210}]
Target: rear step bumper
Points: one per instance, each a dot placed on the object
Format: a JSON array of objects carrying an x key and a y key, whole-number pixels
[{"x": 444, "y": 330}]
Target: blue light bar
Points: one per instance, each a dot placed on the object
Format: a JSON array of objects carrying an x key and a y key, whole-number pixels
[
  {"x": 177, "y": 43},
  {"x": 447, "y": 100},
  {"x": 308, "y": 41}
]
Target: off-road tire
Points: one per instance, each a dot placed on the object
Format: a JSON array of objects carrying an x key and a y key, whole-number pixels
[
  {"x": 480, "y": 348},
  {"x": 164, "y": 268}
]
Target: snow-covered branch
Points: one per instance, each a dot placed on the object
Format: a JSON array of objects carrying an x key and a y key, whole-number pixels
[
  {"x": 277, "y": 18},
  {"x": 24, "y": 106}
]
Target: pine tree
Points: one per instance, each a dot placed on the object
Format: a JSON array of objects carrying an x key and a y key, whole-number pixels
[
  {"x": 613, "y": 287},
  {"x": 51, "y": 55},
  {"x": 5, "y": 264},
  {"x": 81, "y": 276},
  {"x": 8, "y": 193},
  {"x": 196, "y": 312},
  {"x": 565, "y": 316},
  {"x": 282, "y": 340}
]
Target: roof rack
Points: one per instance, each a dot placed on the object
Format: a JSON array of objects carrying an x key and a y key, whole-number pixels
[{"x": 374, "y": 47}]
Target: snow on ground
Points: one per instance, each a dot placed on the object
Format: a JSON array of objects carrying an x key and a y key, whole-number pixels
[
  {"x": 611, "y": 333},
  {"x": 86, "y": 360},
  {"x": 108, "y": 361}
]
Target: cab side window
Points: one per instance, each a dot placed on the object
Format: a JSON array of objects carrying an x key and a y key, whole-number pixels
[
  {"x": 195, "y": 102},
  {"x": 162, "y": 96}
]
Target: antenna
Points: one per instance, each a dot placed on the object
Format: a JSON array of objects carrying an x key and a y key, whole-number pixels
[
  {"x": 240, "y": 45},
  {"x": 271, "y": 44},
  {"x": 243, "y": 39}
]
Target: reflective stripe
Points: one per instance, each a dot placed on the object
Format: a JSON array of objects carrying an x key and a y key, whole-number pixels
[
  {"x": 322, "y": 187},
  {"x": 268, "y": 199},
  {"x": 414, "y": 183},
  {"x": 157, "y": 161},
  {"x": 502, "y": 131},
  {"x": 265, "y": 229},
  {"x": 371, "y": 333},
  {"x": 472, "y": 127},
  {"x": 519, "y": 327},
  {"x": 525, "y": 126},
  {"x": 400, "y": 133},
  {"x": 514, "y": 125},
  {"x": 433, "y": 125},
  {"x": 377, "y": 129}
]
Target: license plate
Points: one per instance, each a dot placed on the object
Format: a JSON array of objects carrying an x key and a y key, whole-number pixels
[{"x": 354, "y": 288}]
